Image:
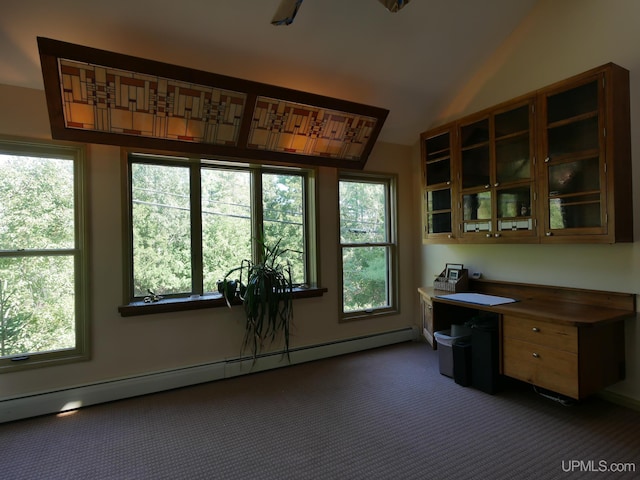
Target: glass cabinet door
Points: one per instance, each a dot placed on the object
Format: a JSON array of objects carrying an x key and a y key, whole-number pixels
[
  {"x": 496, "y": 173},
  {"x": 438, "y": 159},
  {"x": 513, "y": 145},
  {"x": 514, "y": 171},
  {"x": 574, "y": 194},
  {"x": 437, "y": 186},
  {"x": 476, "y": 154},
  {"x": 574, "y": 182},
  {"x": 475, "y": 177},
  {"x": 438, "y": 211},
  {"x": 514, "y": 209},
  {"x": 477, "y": 210}
]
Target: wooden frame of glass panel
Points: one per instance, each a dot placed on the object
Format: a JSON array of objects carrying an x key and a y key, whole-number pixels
[{"x": 97, "y": 96}]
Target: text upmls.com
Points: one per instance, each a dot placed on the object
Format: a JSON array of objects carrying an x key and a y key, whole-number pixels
[{"x": 597, "y": 466}]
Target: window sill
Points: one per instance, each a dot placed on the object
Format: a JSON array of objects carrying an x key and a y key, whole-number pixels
[{"x": 196, "y": 303}]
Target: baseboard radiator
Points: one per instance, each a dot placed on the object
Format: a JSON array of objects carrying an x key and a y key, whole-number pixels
[{"x": 59, "y": 401}]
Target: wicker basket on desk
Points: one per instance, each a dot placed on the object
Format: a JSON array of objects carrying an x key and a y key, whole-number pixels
[{"x": 460, "y": 285}]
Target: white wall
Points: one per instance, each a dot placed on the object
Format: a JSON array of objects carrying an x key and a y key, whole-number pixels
[
  {"x": 123, "y": 347},
  {"x": 558, "y": 40}
]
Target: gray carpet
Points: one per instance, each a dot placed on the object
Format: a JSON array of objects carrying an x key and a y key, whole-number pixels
[{"x": 381, "y": 414}]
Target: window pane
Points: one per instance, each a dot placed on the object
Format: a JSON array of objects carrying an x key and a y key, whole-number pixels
[
  {"x": 512, "y": 159},
  {"x": 36, "y": 203},
  {"x": 578, "y": 211},
  {"x": 43, "y": 311},
  {"x": 222, "y": 211},
  {"x": 365, "y": 220},
  {"x": 439, "y": 222},
  {"x": 439, "y": 200},
  {"x": 283, "y": 212},
  {"x": 475, "y": 133},
  {"x": 365, "y": 278},
  {"x": 226, "y": 222},
  {"x": 476, "y": 165},
  {"x": 438, "y": 171},
  {"x": 574, "y": 177},
  {"x": 574, "y": 137},
  {"x": 572, "y": 103},
  {"x": 512, "y": 121},
  {"x": 37, "y": 304},
  {"x": 161, "y": 229},
  {"x": 363, "y": 212},
  {"x": 477, "y": 206},
  {"x": 514, "y": 202}
]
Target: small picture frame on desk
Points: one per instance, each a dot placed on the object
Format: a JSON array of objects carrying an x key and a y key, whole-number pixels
[{"x": 453, "y": 271}]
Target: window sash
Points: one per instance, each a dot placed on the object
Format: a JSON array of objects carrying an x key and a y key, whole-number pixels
[
  {"x": 78, "y": 349},
  {"x": 387, "y": 242}
]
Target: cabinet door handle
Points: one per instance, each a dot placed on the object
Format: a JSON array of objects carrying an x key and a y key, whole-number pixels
[
  {"x": 535, "y": 355},
  {"x": 548, "y": 234},
  {"x": 535, "y": 329},
  {"x": 496, "y": 184},
  {"x": 497, "y": 235},
  {"x": 487, "y": 186},
  {"x": 488, "y": 235},
  {"x": 546, "y": 160}
]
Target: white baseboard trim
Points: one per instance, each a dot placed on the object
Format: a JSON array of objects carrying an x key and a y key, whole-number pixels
[
  {"x": 618, "y": 399},
  {"x": 82, "y": 396}
]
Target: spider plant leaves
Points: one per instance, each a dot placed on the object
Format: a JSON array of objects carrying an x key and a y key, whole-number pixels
[{"x": 266, "y": 291}]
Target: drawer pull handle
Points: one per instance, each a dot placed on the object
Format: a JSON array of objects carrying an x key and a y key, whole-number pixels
[
  {"x": 535, "y": 355},
  {"x": 535, "y": 329}
]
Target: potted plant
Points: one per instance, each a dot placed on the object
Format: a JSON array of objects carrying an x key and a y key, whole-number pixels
[{"x": 266, "y": 291}]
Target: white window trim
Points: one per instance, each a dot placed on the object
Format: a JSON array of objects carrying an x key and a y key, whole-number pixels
[
  {"x": 134, "y": 306},
  {"x": 392, "y": 213}
]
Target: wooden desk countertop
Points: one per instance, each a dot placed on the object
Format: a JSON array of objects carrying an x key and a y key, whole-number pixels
[{"x": 569, "y": 306}]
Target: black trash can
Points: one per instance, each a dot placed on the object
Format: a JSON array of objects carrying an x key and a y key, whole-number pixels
[
  {"x": 462, "y": 363},
  {"x": 485, "y": 373}
]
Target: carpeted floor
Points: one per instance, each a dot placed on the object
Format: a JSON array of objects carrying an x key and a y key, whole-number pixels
[{"x": 381, "y": 414}]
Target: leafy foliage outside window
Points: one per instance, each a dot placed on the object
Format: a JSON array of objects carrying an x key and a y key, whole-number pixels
[
  {"x": 283, "y": 207},
  {"x": 42, "y": 310},
  {"x": 161, "y": 237},
  {"x": 368, "y": 245},
  {"x": 191, "y": 222},
  {"x": 226, "y": 221}
]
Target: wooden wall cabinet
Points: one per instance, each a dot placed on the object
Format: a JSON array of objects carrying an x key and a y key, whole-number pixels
[
  {"x": 553, "y": 166},
  {"x": 585, "y": 172},
  {"x": 438, "y": 218},
  {"x": 496, "y": 174}
]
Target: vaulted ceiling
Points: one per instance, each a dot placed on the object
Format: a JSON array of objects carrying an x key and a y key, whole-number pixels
[{"x": 411, "y": 62}]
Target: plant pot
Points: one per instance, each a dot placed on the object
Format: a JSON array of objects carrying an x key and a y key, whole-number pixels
[{"x": 228, "y": 289}]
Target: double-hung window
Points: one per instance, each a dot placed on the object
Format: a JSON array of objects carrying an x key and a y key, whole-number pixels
[
  {"x": 368, "y": 244},
  {"x": 191, "y": 220},
  {"x": 44, "y": 312}
]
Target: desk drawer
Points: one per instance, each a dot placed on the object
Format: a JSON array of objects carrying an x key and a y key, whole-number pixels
[
  {"x": 547, "y": 334},
  {"x": 556, "y": 370}
]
